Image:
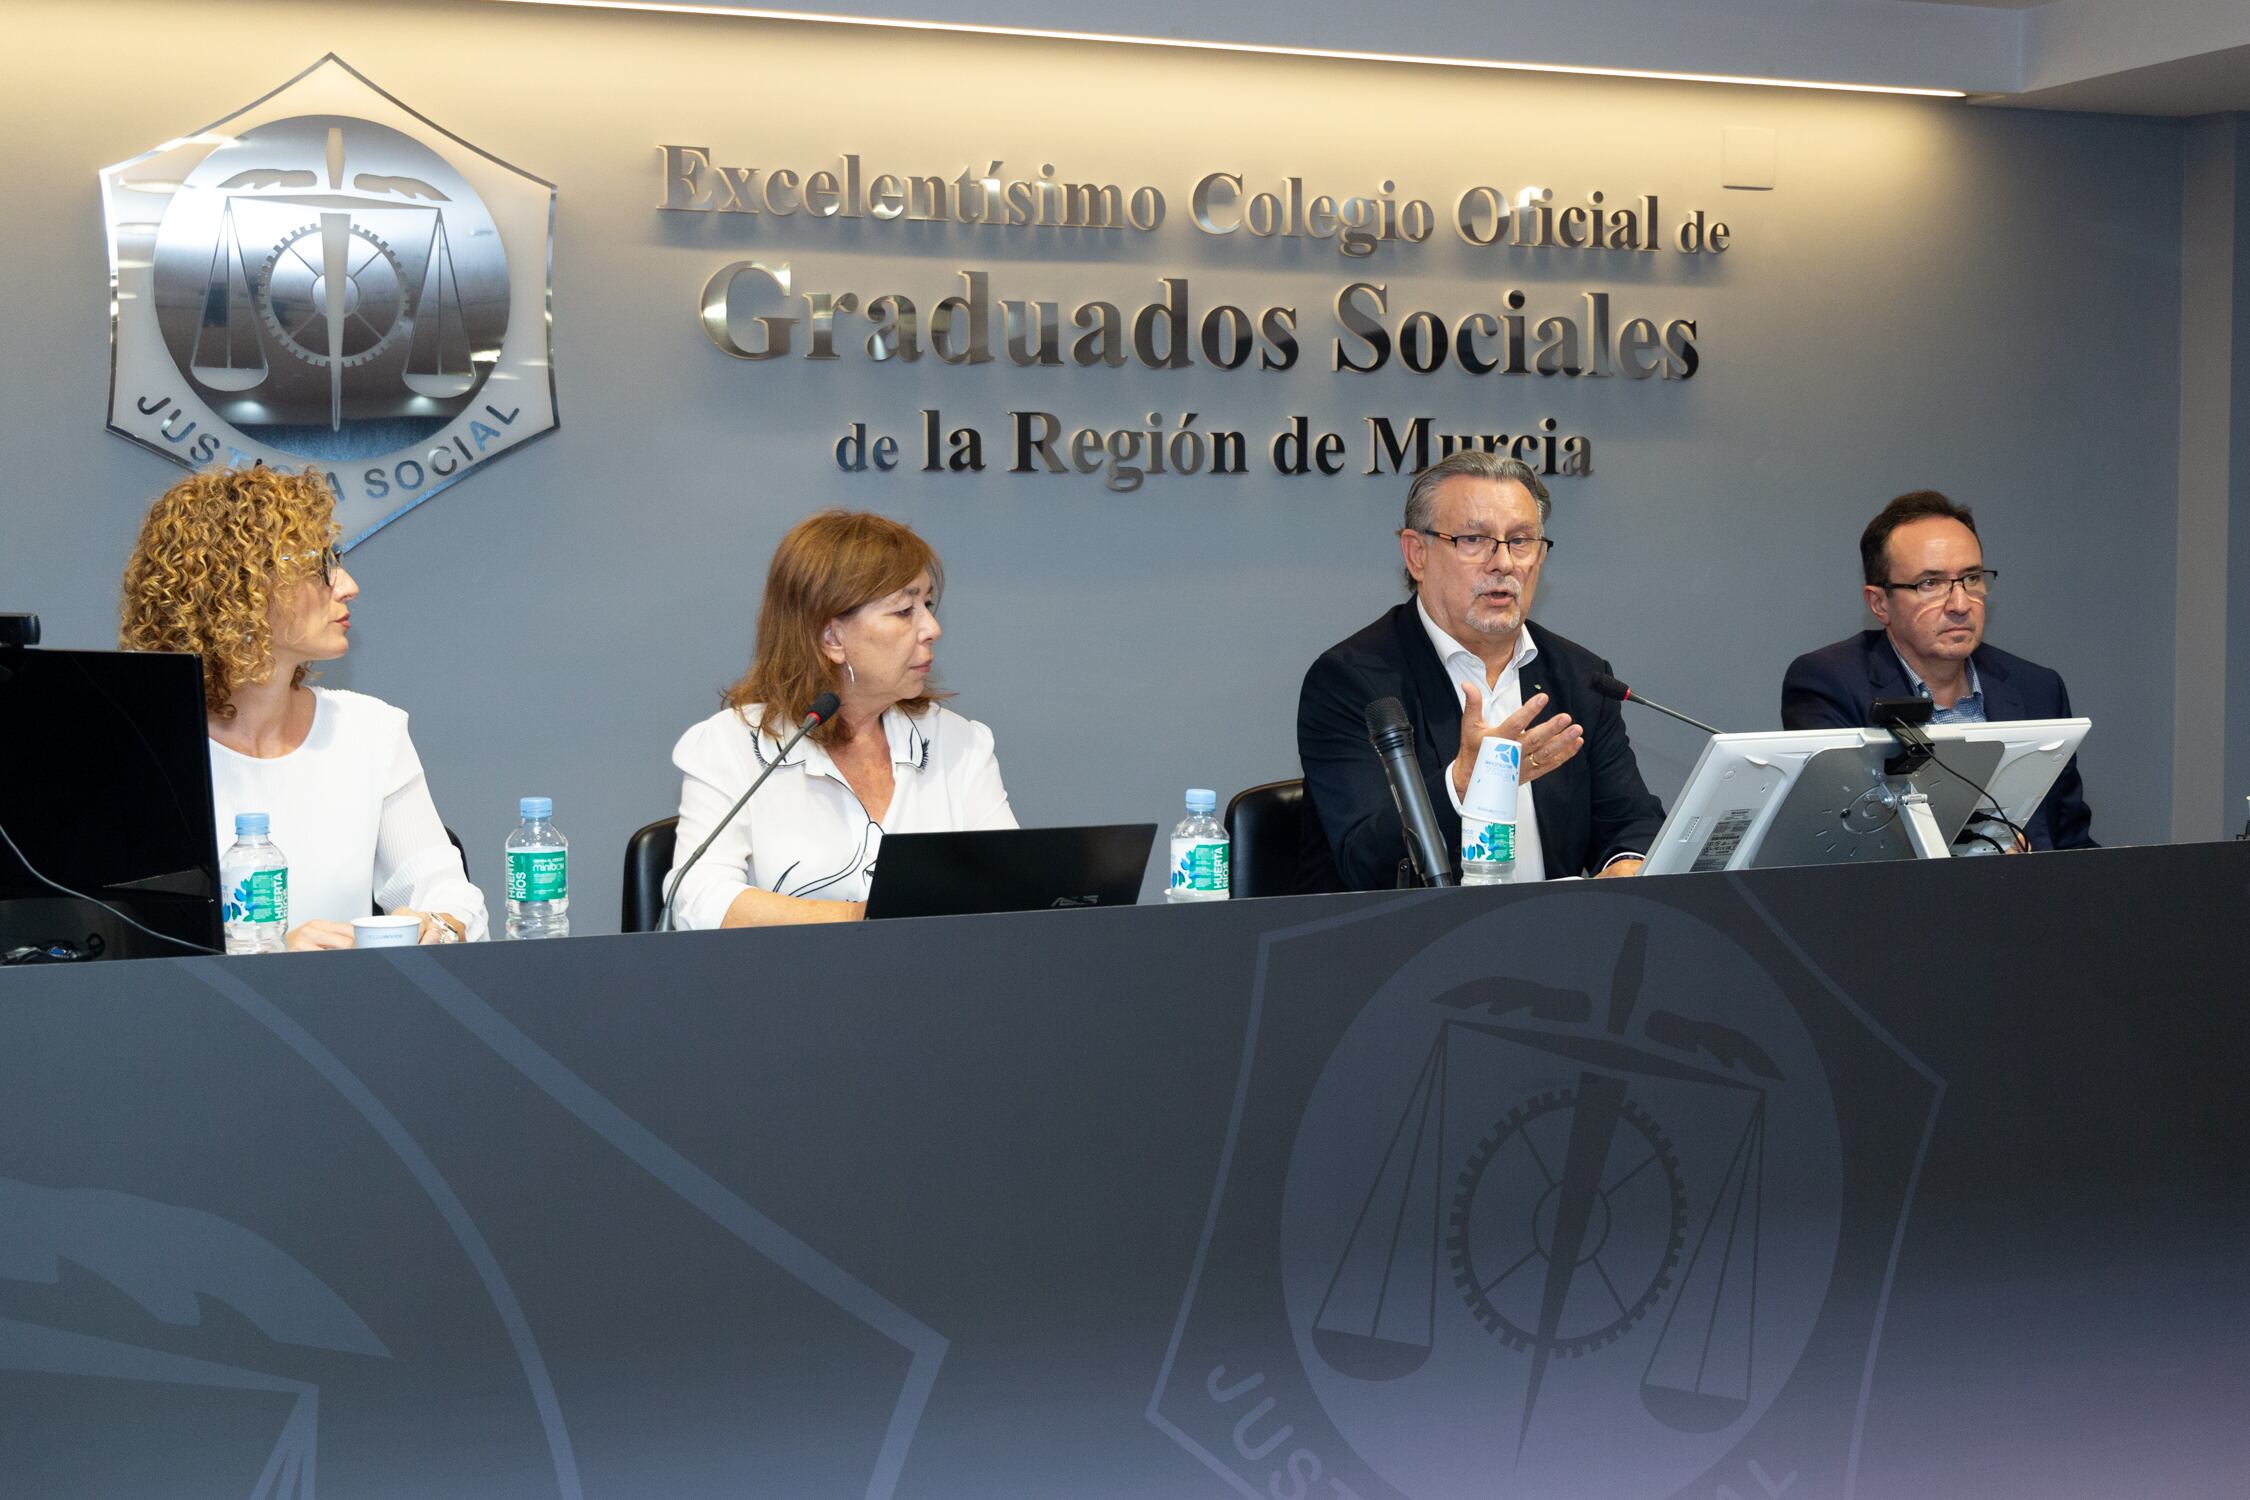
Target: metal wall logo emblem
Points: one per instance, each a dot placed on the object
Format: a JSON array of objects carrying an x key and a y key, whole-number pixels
[
  {"x": 1564, "y": 1225},
  {"x": 325, "y": 277}
]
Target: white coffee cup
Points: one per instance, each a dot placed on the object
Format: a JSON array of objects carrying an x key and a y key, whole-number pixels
[{"x": 386, "y": 932}]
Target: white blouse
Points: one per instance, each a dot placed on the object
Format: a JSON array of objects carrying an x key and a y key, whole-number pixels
[
  {"x": 806, "y": 833},
  {"x": 351, "y": 811}
]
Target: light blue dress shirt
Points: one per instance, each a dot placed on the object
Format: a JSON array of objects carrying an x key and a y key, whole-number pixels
[{"x": 1966, "y": 709}]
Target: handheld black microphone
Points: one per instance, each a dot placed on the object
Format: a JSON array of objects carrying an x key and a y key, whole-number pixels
[
  {"x": 823, "y": 708},
  {"x": 1610, "y": 687},
  {"x": 1392, "y": 735}
]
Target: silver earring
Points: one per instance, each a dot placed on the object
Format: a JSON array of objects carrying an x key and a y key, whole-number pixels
[{"x": 848, "y": 672}]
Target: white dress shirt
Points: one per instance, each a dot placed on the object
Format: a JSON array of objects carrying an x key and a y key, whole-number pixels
[
  {"x": 1501, "y": 699},
  {"x": 806, "y": 833},
  {"x": 350, "y": 809}
]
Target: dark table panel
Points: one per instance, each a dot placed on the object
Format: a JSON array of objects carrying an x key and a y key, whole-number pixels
[{"x": 1896, "y": 1181}]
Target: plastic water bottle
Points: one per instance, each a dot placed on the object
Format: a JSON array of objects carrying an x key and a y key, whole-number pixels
[
  {"x": 1200, "y": 851},
  {"x": 538, "y": 859},
  {"x": 1488, "y": 814},
  {"x": 255, "y": 875}
]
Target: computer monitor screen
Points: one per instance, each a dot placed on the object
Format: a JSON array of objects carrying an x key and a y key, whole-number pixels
[
  {"x": 107, "y": 790},
  {"x": 1823, "y": 796}
]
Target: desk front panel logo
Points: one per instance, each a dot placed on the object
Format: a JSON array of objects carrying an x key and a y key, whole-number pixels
[
  {"x": 1597, "y": 1211},
  {"x": 325, "y": 277}
]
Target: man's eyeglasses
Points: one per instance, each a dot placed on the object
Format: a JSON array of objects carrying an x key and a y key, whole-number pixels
[
  {"x": 1976, "y": 583},
  {"x": 329, "y": 562},
  {"x": 1475, "y": 548}
]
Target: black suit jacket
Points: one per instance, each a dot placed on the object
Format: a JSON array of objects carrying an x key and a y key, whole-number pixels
[
  {"x": 1591, "y": 808},
  {"x": 1836, "y": 688}
]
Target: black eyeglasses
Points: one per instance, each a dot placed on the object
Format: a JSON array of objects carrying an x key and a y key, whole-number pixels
[
  {"x": 1476, "y": 548},
  {"x": 1976, "y": 583}
]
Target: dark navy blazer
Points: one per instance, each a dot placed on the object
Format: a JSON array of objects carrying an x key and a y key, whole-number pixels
[
  {"x": 1836, "y": 688},
  {"x": 1589, "y": 809}
]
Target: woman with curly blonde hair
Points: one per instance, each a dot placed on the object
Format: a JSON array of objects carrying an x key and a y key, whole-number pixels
[
  {"x": 850, "y": 608},
  {"x": 239, "y": 567}
]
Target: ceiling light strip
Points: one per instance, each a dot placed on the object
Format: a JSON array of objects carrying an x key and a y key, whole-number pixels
[{"x": 1043, "y": 34}]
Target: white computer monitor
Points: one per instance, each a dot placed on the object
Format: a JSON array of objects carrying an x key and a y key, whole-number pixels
[{"x": 1822, "y": 796}]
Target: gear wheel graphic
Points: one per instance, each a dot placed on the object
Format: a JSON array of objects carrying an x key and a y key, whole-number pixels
[
  {"x": 293, "y": 299},
  {"x": 1501, "y": 1241}
]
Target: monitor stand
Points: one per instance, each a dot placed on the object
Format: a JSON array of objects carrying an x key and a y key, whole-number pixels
[{"x": 1841, "y": 809}]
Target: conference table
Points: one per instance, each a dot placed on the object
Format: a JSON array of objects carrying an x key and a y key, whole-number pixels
[{"x": 1884, "y": 1181}]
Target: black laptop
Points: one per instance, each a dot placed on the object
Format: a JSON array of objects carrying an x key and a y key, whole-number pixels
[
  {"x": 1008, "y": 869},
  {"x": 106, "y": 791}
]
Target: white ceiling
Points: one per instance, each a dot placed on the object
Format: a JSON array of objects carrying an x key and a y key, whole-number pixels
[
  {"x": 2162, "y": 57},
  {"x": 2158, "y": 57},
  {"x": 2208, "y": 83}
]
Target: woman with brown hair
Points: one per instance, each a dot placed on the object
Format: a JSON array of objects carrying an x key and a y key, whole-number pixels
[
  {"x": 239, "y": 567},
  {"x": 850, "y": 608}
]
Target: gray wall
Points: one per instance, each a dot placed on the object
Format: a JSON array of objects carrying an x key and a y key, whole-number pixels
[{"x": 1981, "y": 300}]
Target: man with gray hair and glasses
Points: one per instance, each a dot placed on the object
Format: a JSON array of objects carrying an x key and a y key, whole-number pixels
[
  {"x": 1926, "y": 584},
  {"x": 1466, "y": 662}
]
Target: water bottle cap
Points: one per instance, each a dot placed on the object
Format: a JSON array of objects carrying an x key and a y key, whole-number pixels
[
  {"x": 251, "y": 825},
  {"x": 536, "y": 807},
  {"x": 1202, "y": 799}
]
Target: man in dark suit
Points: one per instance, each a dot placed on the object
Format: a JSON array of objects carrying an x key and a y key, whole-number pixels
[
  {"x": 1926, "y": 584},
  {"x": 1467, "y": 663}
]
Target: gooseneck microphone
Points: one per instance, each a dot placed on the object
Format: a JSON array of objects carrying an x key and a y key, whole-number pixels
[
  {"x": 16, "y": 633},
  {"x": 823, "y": 709},
  {"x": 1392, "y": 735},
  {"x": 1610, "y": 687}
]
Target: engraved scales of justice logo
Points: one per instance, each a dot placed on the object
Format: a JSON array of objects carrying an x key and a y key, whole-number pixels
[
  {"x": 1569, "y": 1219},
  {"x": 356, "y": 291},
  {"x": 1580, "y": 1170},
  {"x": 1555, "y": 1217},
  {"x": 305, "y": 283}
]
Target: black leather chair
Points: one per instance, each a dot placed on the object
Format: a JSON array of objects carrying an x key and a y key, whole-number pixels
[
  {"x": 648, "y": 859},
  {"x": 1265, "y": 824}
]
